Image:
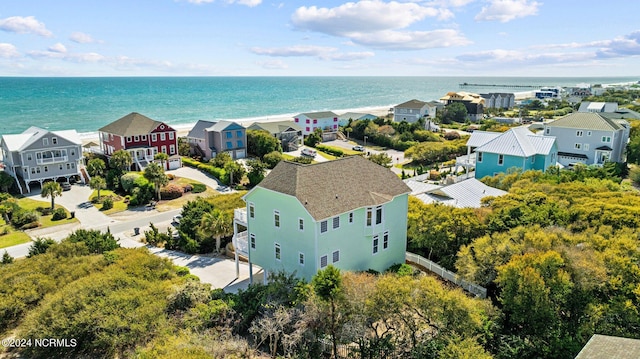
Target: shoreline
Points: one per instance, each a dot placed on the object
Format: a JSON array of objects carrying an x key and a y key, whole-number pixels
[{"x": 183, "y": 129}]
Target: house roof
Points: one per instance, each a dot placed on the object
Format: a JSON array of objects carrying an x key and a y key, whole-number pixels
[
  {"x": 131, "y": 125},
  {"x": 575, "y": 155},
  {"x": 586, "y": 121},
  {"x": 357, "y": 116},
  {"x": 479, "y": 138},
  {"x": 463, "y": 96},
  {"x": 604, "y": 346},
  {"x": 330, "y": 188},
  {"x": 464, "y": 194},
  {"x": 316, "y": 115},
  {"x": 274, "y": 127},
  {"x": 21, "y": 141},
  {"x": 518, "y": 141},
  {"x": 198, "y": 130},
  {"x": 621, "y": 113},
  {"x": 220, "y": 126},
  {"x": 415, "y": 104}
]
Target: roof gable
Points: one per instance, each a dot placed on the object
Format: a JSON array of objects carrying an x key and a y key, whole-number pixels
[
  {"x": 586, "y": 121},
  {"x": 133, "y": 124},
  {"x": 22, "y": 141},
  {"x": 225, "y": 126},
  {"x": 520, "y": 142},
  {"x": 198, "y": 130},
  {"x": 275, "y": 127},
  {"x": 330, "y": 188},
  {"x": 318, "y": 115},
  {"x": 414, "y": 104}
]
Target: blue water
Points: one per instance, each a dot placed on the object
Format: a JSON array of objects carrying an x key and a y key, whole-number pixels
[{"x": 86, "y": 104}]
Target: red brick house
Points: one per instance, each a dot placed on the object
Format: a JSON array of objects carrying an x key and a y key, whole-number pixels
[{"x": 142, "y": 137}]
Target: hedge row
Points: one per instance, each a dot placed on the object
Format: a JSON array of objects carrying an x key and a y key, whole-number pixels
[
  {"x": 330, "y": 150},
  {"x": 216, "y": 172}
]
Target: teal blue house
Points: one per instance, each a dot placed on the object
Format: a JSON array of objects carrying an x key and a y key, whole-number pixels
[
  {"x": 516, "y": 148},
  {"x": 350, "y": 213}
]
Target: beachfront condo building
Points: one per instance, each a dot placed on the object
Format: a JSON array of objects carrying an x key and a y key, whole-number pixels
[
  {"x": 143, "y": 138},
  {"x": 350, "y": 213},
  {"x": 39, "y": 155}
]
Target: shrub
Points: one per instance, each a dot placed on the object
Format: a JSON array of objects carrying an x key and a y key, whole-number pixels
[
  {"x": 22, "y": 217},
  {"x": 170, "y": 176},
  {"x": 271, "y": 159},
  {"x": 434, "y": 175},
  {"x": 303, "y": 159},
  {"x": 199, "y": 188},
  {"x": 44, "y": 211},
  {"x": 107, "y": 203},
  {"x": 171, "y": 191},
  {"x": 59, "y": 213},
  {"x": 40, "y": 246},
  {"x": 330, "y": 150},
  {"x": 128, "y": 181},
  {"x": 451, "y": 135}
]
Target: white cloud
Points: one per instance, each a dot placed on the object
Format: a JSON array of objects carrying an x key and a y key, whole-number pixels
[
  {"x": 8, "y": 51},
  {"x": 82, "y": 38},
  {"x": 501, "y": 56},
  {"x": 273, "y": 65},
  {"x": 24, "y": 25},
  {"x": 507, "y": 10},
  {"x": 59, "y": 48},
  {"x": 411, "y": 40},
  {"x": 249, "y": 3},
  {"x": 320, "y": 52}
]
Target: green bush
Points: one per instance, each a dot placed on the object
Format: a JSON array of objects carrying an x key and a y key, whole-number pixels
[
  {"x": 107, "y": 203},
  {"x": 59, "y": 213},
  {"x": 128, "y": 181},
  {"x": 171, "y": 191},
  {"x": 303, "y": 159},
  {"x": 22, "y": 217},
  {"x": 198, "y": 187},
  {"x": 330, "y": 150},
  {"x": 271, "y": 159}
]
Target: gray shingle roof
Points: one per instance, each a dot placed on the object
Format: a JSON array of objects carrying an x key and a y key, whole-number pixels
[
  {"x": 323, "y": 114},
  {"x": 274, "y": 127},
  {"x": 198, "y": 130},
  {"x": 330, "y": 188},
  {"x": 131, "y": 125},
  {"x": 586, "y": 121},
  {"x": 415, "y": 104},
  {"x": 604, "y": 346}
]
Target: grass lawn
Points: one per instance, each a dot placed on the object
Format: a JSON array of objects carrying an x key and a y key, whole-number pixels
[
  {"x": 12, "y": 237},
  {"x": 118, "y": 201},
  {"x": 327, "y": 156},
  {"x": 45, "y": 221}
]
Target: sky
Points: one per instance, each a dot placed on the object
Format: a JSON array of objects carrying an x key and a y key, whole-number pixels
[{"x": 556, "y": 38}]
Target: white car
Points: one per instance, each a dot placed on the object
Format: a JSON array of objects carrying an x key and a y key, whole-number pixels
[
  {"x": 177, "y": 218},
  {"x": 308, "y": 152}
]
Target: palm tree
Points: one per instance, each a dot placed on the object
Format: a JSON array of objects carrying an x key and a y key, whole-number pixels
[
  {"x": 52, "y": 189},
  {"x": 98, "y": 183},
  {"x": 218, "y": 224},
  {"x": 96, "y": 167},
  {"x": 162, "y": 157},
  {"x": 6, "y": 181},
  {"x": 121, "y": 160},
  {"x": 155, "y": 174}
]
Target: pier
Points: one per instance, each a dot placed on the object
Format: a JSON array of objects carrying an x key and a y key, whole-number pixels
[{"x": 466, "y": 84}]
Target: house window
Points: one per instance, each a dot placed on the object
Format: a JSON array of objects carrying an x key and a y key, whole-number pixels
[
  {"x": 154, "y": 137},
  {"x": 229, "y": 144},
  {"x": 163, "y": 136},
  {"x": 136, "y": 138},
  {"x": 606, "y": 139},
  {"x": 479, "y": 157},
  {"x": 164, "y": 149},
  {"x": 350, "y": 217},
  {"x": 171, "y": 135},
  {"x": 252, "y": 211},
  {"x": 323, "y": 261},
  {"x": 277, "y": 251},
  {"x": 307, "y": 121},
  {"x": 336, "y": 222},
  {"x": 335, "y": 119},
  {"x": 238, "y": 133},
  {"x": 252, "y": 240},
  {"x": 172, "y": 149},
  {"x": 33, "y": 170},
  {"x": 45, "y": 142},
  {"x": 73, "y": 153},
  {"x": 588, "y": 133},
  {"x": 378, "y": 214},
  {"x": 315, "y": 121},
  {"x": 73, "y": 165},
  {"x": 385, "y": 240},
  {"x": 586, "y": 147},
  {"x": 54, "y": 141},
  {"x": 128, "y": 138},
  {"x": 375, "y": 244},
  {"x": 369, "y": 216},
  {"x": 297, "y": 120},
  {"x": 323, "y": 226},
  {"x": 144, "y": 137},
  {"x": 46, "y": 169},
  {"x": 577, "y": 146},
  {"x": 579, "y": 133},
  {"x": 60, "y": 167},
  {"x": 29, "y": 158},
  {"x": 546, "y": 131},
  {"x": 301, "y": 258},
  {"x": 276, "y": 219},
  {"x": 229, "y": 134},
  {"x": 533, "y": 159},
  {"x": 307, "y": 129},
  {"x": 301, "y": 224},
  {"x": 239, "y": 143},
  {"x": 336, "y": 256}
]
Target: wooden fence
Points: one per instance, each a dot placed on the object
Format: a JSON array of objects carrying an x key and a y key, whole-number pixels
[{"x": 446, "y": 274}]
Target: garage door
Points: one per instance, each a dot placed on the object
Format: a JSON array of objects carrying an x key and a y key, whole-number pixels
[{"x": 240, "y": 154}]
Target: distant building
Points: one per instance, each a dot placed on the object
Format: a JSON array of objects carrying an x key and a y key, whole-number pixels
[
  {"x": 410, "y": 111},
  {"x": 474, "y": 103},
  {"x": 287, "y": 132},
  {"x": 343, "y": 119},
  {"x": 518, "y": 147},
  {"x": 589, "y": 138},
  {"x": 208, "y": 138},
  {"x": 467, "y": 193},
  {"x": 326, "y": 121},
  {"x": 301, "y": 218},
  {"x": 598, "y": 107},
  {"x": 142, "y": 137},
  {"x": 499, "y": 100},
  {"x": 548, "y": 92},
  {"x": 39, "y": 155}
]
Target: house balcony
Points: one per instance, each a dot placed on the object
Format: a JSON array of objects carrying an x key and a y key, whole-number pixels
[
  {"x": 50, "y": 160},
  {"x": 241, "y": 243},
  {"x": 466, "y": 160},
  {"x": 240, "y": 216}
]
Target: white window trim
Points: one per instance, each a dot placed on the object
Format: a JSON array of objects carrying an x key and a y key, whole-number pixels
[
  {"x": 333, "y": 254},
  {"x": 326, "y": 260},
  {"x": 579, "y": 133},
  {"x": 326, "y": 223},
  {"x": 277, "y": 251},
  {"x": 171, "y": 135},
  {"x": 368, "y": 219},
  {"x": 479, "y": 157},
  {"x": 252, "y": 241},
  {"x": 333, "y": 222},
  {"x": 379, "y": 220},
  {"x": 500, "y": 160},
  {"x": 301, "y": 259},
  {"x": 163, "y": 136},
  {"x": 154, "y": 137},
  {"x": 301, "y": 224},
  {"x": 276, "y": 219},
  {"x": 385, "y": 240},
  {"x": 252, "y": 210},
  {"x": 577, "y": 146},
  {"x": 375, "y": 245},
  {"x": 351, "y": 216},
  {"x": 136, "y": 138}
]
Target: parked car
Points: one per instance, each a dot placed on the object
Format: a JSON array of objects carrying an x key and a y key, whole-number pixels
[
  {"x": 358, "y": 148},
  {"x": 308, "y": 152},
  {"x": 66, "y": 186},
  {"x": 177, "y": 218}
]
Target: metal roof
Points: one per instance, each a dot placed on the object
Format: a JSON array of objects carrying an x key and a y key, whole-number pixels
[
  {"x": 519, "y": 141},
  {"x": 464, "y": 194},
  {"x": 21, "y": 141}
]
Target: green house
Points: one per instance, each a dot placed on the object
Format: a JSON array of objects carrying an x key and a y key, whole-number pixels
[{"x": 351, "y": 213}]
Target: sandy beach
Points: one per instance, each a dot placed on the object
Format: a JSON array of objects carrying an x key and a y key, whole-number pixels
[{"x": 183, "y": 129}]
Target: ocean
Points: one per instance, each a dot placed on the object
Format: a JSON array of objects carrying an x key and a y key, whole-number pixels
[{"x": 88, "y": 103}]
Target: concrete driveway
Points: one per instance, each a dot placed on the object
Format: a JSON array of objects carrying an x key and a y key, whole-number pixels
[
  {"x": 192, "y": 173},
  {"x": 297, "y": 153}
]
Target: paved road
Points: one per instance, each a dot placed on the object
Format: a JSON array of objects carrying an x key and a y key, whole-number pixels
[
  {"x": 220, "y": 272},
  {"x": 396, "y": 156}
]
